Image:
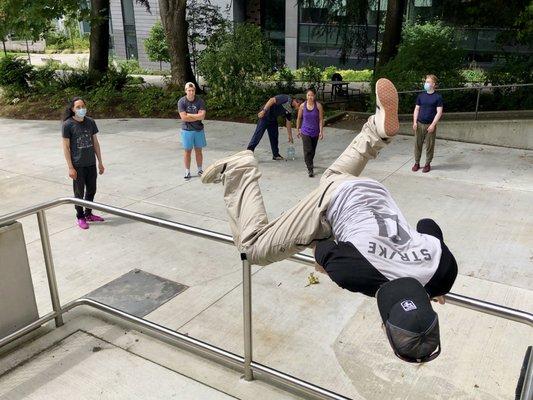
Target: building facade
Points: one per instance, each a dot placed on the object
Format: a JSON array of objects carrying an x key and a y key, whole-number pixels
[
  {"x": 301, "y": 30},
  {"x": 131, "y": 24}
]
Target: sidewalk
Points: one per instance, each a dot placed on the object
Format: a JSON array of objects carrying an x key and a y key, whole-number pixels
[{"x": 480, "y": 195}]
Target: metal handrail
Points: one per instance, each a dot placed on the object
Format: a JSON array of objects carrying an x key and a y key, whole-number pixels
[
  {"x": 472, "y": 87},
  {"x": 479, "y": 88},
  {"x": 190, "y": 343}
]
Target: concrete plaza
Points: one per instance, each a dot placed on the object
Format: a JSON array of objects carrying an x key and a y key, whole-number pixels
[{"x": 480, "y": 195}]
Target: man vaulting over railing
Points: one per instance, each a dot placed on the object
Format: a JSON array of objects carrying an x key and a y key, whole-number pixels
[{"x": 360, "y": 236}]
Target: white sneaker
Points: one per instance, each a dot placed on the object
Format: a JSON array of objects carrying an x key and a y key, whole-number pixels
[{"x": 386, "y": 117}]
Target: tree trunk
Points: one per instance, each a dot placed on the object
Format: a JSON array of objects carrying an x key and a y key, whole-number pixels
[
  {"x": 99, "y": 38},
  {"x": 393, "y": 31},
  {"x": 173, "y": 14}
]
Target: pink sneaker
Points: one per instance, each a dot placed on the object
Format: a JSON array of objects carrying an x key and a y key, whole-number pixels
[
  {"x": 94, "y": 218},
  {"x": 82, "y": 223}
]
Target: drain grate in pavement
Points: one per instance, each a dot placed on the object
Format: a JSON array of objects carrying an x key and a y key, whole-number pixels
[{"x": 137, "y": 292}]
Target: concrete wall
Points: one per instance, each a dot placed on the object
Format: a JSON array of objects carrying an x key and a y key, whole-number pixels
[
  {"x": 508, "y": 133},
  {"x": 20, "y": 45},
  {"x": 291, "y": 33},
  {"x": 17, "y": 299}
]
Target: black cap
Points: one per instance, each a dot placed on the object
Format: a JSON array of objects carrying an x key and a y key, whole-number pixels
[{"x": 410, "y": 322}]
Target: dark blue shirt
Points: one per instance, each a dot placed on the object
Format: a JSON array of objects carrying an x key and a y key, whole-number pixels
[
  {"x": 283, "y": 107},
  {"x": 428, "y": 106}
]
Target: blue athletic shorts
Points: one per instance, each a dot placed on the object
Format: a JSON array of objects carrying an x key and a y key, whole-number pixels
[{"x": 190, "y": 139}]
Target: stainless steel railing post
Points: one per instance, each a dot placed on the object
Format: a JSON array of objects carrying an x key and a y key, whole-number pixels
[
  {"x": 49, "y": 263},
  {"x": 477, "y": 102},
  {"x": 527, "y": 389},
  {"x": 247, "y": 313}
]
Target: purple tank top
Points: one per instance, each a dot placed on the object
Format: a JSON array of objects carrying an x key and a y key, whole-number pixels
[{"x": 311, "y": 121}]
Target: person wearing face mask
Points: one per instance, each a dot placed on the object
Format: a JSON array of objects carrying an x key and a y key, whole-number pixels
[
  {"x": 81, "y": 148},
  {"x": 427, "y": 113}
]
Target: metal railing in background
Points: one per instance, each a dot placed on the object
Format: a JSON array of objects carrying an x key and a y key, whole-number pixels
[
  {"x": 477, "y": 88},
  {"x": 246, "y": 363}
]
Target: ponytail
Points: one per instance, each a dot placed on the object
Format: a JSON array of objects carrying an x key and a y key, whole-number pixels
[{"x": 68, "y": 111}]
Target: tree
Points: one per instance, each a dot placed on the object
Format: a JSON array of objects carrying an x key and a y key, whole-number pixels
[
  {"x": 234, "y": 58},
  {"x": 203, "y": 19},
  {"x": 4, "y": 24},
  {"x": 173, "y": 16},
  {"x": 393, "y": 30},
  {"x": 99, "y": 37},
  {"x": 156, "y": 45},
  {"x": 408, "y": 68}
]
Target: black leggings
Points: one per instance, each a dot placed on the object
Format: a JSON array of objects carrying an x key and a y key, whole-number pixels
[
  {"x": 84, "y": 187},
  {"x": 444, "y": 277},
  {"x": 309, "y": 144}
]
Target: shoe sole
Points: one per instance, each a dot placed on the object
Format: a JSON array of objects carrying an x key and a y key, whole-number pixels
[
  {"x": 387, "y": 100},
  {"x": 211, "y": 173}
]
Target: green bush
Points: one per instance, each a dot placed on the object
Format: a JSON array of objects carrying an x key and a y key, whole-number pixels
[
  {"x": 59, "y": 42},
  {"x": 285, "y": 80},
  {"x": 474, "y": 75},
  {"x": 156, "y": 45},
  {"x": 429, "y": 48},
  {"x": 231, "y": 62},
  {"x": 15, "y": 74},
  {"x": 512, "y": 69},
  {"x": 328, "y": 72},
  {"x": 351, "y": 75},
  {"x": 129, "y": 67},
  {"x": 311, "y": 75},
  {"x": 43, "y": 79},
  {"x": 153, "y": 100}
]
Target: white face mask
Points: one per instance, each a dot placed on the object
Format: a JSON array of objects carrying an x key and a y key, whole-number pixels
[{"x": 80, "y": 112}]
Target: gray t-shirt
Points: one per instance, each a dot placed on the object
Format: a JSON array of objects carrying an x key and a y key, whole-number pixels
[
  {"x": 81, "y": 142},
  {"x": 363, "y": 213},
  {"x": 191, "y": 107}
]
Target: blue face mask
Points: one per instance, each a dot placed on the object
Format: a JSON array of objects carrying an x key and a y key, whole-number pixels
[
  {"x": 80, "y": 112},
  {"x": 427, "y": 87}
]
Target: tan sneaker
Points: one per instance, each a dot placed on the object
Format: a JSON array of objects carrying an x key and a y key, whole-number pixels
[
  {"x": 213, "y": 173},
  {"x": 386, "y": 118}
]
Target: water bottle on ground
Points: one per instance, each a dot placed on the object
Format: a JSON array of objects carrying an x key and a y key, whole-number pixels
[{"x": 291, "y": 152}]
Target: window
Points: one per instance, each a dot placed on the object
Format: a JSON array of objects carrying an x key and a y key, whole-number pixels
[{"x": 130, "y": 34}]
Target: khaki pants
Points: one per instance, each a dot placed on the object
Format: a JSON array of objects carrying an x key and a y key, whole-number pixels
[
  {"x": 420, "y": 135},
  {"x": 266, "y": 242}
]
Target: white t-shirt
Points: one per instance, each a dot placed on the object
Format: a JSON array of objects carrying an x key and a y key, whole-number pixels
[{"x": 363, "y": 213}]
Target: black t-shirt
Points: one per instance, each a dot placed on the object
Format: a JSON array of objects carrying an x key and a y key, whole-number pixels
[
  {"x": 283, "y": 107},
  {"x": 81, "y": 142},
  {"x": 349, "y": 269}
]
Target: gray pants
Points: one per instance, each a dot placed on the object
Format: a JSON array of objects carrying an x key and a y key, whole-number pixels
[
  {"x": 420, "y": 136},
  {"x": 266, "y": 242}
]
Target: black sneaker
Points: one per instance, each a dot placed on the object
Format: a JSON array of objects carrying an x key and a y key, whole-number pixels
[
  {"x": 311, "y": 173},
  {"x": 278, "y": 158},
  {"x": 187, "y": 176}
]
